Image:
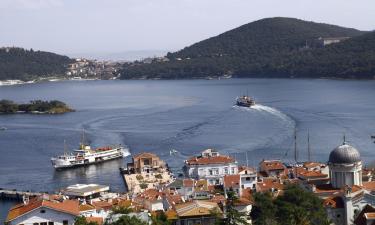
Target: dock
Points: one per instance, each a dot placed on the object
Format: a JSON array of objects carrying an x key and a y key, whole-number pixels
[{"x": 17, "y": 195}]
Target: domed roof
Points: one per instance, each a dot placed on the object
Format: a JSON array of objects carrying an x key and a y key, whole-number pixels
[{"x": 344, "y": 154}]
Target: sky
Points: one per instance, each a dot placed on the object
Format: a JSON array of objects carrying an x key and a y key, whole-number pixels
[{"x": 113, "y": 26}]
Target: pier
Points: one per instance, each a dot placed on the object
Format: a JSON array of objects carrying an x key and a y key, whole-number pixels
[{"x": 17, "y": 195}]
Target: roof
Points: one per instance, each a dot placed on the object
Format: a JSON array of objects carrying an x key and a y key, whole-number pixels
[
  {"x": 86, "y": 207},
  {"x": 344, "y": 154},
  {"x": 83, "y": 190},
  {"x": 272, "y": 165},
  {"x": 67, "y": 206},
  {"x": 311, "y": 164},
  {"x": 145, "y": 155},
  {"x": 221, "y": 159},
  {"x": 369, "y": 186},
  {"x": 102, "y": 205},
  {"x": 232, "y": 181},
  {"x": 361, "y": 218},
  {"x": 334, "y": 202},
  {"x": 98, "y": 220},
  {"x": 188, "y": 182},
  {"x": 196, "y": 208},
  {"x": 269, "y": 184},
  {"x": 171, "y": 214}
]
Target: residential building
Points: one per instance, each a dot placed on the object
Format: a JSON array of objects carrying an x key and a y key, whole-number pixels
[
  {"x": 272, "y": 168},
  {"x": 44, "y": 210},
  {"x": 85, "y": 191},
  {"x": 210, "y": 165},
  {"x": 197, "y": 212}
]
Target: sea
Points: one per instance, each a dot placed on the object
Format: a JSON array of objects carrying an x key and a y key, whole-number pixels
[{"x": 185, "y": 115}]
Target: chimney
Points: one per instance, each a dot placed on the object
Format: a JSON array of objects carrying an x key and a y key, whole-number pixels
[{"x": 25, "y": 199}]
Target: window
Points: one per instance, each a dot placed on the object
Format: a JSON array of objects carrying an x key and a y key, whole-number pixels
[
  {"x": 225, "y": 170},
  {"x": 42, "y": 211},
  {"x": 65, "y": 222},
  {"x": 43, "y": 223},
  {"x": 248, "y": 178},
  {"x": 232, "y": 170},
  {"x": 35, "y": 223},
  {"x": 210, "y": 172},
  {"x": 50, "y": 223}
]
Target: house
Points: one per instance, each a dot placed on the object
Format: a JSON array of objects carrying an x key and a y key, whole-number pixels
[
  {"x": 272, "y": 168},
  {"x": 44, "y": 210},
  {"x": 210, "y": 165},
  {"x": 146, "y": 162},
  {"x": 197, "y": 212},
  {"x": 150, "y": 199},
  {"x": 194, "y": 189},
  {"x": 248, "y": 177}
]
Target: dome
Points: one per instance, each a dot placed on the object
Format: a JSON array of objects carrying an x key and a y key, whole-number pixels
[{"x": 344, "y": 154}]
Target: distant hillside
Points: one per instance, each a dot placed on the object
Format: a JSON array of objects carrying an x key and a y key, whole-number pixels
[
  {"x": 273, "y": 47},
  {"x": 19, "y": 63}
]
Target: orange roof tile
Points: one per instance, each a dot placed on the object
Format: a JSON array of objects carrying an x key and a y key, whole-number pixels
[
  {"x": 188, "y": 182},
  {"x": 272, "y": 165},
  {"x": 86, "y": 207},
  {"x": 67, "y": 206},
  {"x": 370, "y": 186},
  {"x": 221, "y": 159},
  {"x": 231, "y": 181},
  {"x": 268, "y": 185},
  {"x": 334, "y": 202},
  {"x": 98, "y": 220}
]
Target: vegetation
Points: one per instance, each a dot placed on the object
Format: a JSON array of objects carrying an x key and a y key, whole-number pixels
[
  {"x": 158, "y": 176},
  {"x": 139, "y": 177},
  {"x": 234, "y": 217},
  {"x": 160, "y": 218},
  {"x": 143, "y": 185},
  {"x": 295, "y": 207},
  {"x": 39, "y": 106},
  {"x": 273, "y": 47},
  {"x": 127, "y": 220},
  {"x": 121, "y": 210},
  {"x": 81, "y": 220},
  {"x": 22, "y": 64}
]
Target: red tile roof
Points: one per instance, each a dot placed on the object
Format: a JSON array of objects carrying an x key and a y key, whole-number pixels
[
  {"x": 334, "y": 202},
  {"x": 232, "y": 181},
  {"x": 221, "y": 159},
  {"x": 67, "y": 206},
  {"x": 272, "y": 165}
]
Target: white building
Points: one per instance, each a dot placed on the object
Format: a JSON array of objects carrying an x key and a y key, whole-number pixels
[
  {"x": 43, "y": 211},
  {"x": 210, "y": 165}
]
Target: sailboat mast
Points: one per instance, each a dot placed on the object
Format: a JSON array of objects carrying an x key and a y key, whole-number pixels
[
  {"x": 308, "y": 146},
  {"x": 295, "y": 146},
  {"x": 64, "y": 147}
]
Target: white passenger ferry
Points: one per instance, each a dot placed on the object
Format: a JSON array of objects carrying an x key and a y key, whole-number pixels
[{"x": 85, "y": 155}]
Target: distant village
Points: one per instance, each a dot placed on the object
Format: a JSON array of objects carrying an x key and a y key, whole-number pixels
[{"x": 345, "y": 186}]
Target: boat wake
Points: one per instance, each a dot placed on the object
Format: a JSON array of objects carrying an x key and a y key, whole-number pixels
[{"x": 267, "y": 109}]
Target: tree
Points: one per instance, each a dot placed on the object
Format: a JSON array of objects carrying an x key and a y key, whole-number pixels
[
  {"x": 295, "y": 207},
  {"x": 160, "y": 218},
  {"x": 234, "y": 217},
  {"x": 81, "y": 220},
  {"x": 127, "y": 220}
]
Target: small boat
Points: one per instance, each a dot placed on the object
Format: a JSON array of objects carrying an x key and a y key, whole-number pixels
[
  {"x": 3, "y": 128},
  {"x": 173, "y": 152},
  {"x": 245, "y": 101}
]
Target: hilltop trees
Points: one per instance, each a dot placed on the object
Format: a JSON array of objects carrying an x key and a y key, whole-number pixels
[{"x": 295, "y": 207}]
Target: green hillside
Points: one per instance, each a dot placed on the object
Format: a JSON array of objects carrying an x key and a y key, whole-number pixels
[
  {"x": 19, "y": 63},
  {"x": 273, "y": 47}
]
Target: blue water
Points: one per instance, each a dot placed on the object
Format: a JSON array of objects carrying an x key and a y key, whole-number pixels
[{"x": 188, "y": 116}]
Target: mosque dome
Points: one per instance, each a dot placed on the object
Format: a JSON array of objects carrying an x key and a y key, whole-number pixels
[{"x": 345, "y": 154}]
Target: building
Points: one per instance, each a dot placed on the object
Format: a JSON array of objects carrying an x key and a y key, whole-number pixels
[
  {"x": 345, "y": 166},
  {"x": 44, "y": 210},
  {"x": 210, "y": 165},
  {"x": 150, "y": 199},
  {"x": 146, "y": 162},
  {"x": 197, "y": 212},
  {"x": 272, "y": 168},
  {"x": 85, "y": 191},
  {"x": 331, "y": 40}
]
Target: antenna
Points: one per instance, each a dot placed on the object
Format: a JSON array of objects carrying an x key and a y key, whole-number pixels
[
  {"x": 308, "y": 146},
  {"x": 295, "y": 146},
  {"x": 344, "y": 143}
]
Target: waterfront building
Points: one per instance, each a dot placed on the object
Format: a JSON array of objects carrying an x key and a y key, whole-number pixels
[
  {"x": 44, "y": 210},
  {"x": 146, "y": 163},
  {"x": 85, "y": 191},
  {"x": 210, "y": 165}
]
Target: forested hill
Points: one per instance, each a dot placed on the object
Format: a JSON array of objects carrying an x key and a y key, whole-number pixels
[
  {"x": 273, "y": 47},
  {"x": 19, "y": 63}
]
